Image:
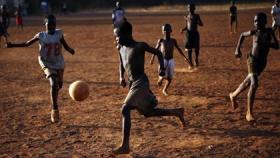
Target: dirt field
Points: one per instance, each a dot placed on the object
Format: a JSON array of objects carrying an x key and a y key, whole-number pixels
[{"x": 92, "y": 128}]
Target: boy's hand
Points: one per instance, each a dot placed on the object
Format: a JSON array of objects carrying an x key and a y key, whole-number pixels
[
  {"x": 238, "y": 53},
  {"x": 72, "y": 51},
  {"x": 122, "y": 82},
  {"x": 161, "y": 72}
]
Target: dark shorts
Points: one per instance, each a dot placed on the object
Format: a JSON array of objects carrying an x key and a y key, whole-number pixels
[
  {"x": 233, "y": 19},
  {"x": 140, "y": 97},
  {"x": 255, "y": 66},
  {"x": 192, "y": 40}
]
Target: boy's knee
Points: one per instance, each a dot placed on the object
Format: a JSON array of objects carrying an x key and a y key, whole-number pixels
[
  {"x": 53, "y": 82},
  {"x": 125, "y": 110}
]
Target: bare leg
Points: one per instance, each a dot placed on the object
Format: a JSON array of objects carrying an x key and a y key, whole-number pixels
[
  {"x": 251, "y": 97},
  {"x": 196, "y": 57},
  {"x": 243, "y": 86},
  {"x": 168, "y": 112},
  {"x": 160, "y": 79},
  {"x": 126, "y": 125},
  {"x": 164, "y": 90},
  {"x": 54, "y": 95},
  {"x": 190, "y": 58}
]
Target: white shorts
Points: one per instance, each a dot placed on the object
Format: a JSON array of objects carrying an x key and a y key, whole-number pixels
[{"x": 169, "y": 66}]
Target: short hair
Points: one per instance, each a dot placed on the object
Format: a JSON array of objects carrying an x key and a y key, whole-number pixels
[
  {"x": 167, "y": 27},
  {"x": 192, "y": 5},
  {"x": 262, "y": 17},
  {"x": 50, "y": 19},
  {"x": 125, "y": 28}
]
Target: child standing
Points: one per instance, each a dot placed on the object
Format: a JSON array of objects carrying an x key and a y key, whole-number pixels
[
  {"x": 166, "y": 46},
  {"x": 19, "y": 20},
  {"x": 192, "y": 35},
  {"x": 233, "y": 18},
  {"x": 50, "y": 58},
  {"x": 263, "y": 40}
]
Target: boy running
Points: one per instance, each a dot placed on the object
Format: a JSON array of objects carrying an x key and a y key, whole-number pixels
[
  {"x": 50, "y": 58},
  {"x": 233, "y": 18},
  {"x": 192, "y": 34},
  {"x": 275, "y": 11},
  {"x": 263, "y": 40},
  {"x": 3, "y": 33},
  {"x": 139, "y": 97},
  {"x": 5, "y": 17},
  {"x": 166, "y": 46}
]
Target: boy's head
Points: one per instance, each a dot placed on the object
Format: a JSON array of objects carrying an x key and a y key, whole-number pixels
[
  {"x": 233, "y": 2},
  {"x": 191, "y": 8},
  {"x": 260, "y": 20},
  {"x": 3, "y": 7},
  {"x": 50, "y": 23},
  {"x": 124, "y": 33},
  {"x": 166, "y": 29}
]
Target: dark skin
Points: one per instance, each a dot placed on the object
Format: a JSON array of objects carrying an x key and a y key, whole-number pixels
[
  {"x": 263, "y": 40},
  {"x": 166, "y": 46},
  {"x": 193, "y": 21},
  {"x": 132, "y": 62},
  {"x": 50, "y": 28}
]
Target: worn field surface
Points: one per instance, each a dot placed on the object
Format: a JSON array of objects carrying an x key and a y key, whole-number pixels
[{"x": 92, "y": 128}]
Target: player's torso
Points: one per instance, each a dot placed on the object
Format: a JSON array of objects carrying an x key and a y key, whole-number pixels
[
  {"x": 261, "y": 43},
  {"x": 167, "y": 48},
  {"x": 50, "y": 48},
  {"x": 192, "y": 21},
  {"x": 133, "y": 60}
]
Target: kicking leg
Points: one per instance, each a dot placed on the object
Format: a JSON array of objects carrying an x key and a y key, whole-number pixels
[
  {"x": 126, "y": 125},
  {"x": 168, "y": 112},
  {"x": 239, "y": 90},
  {"x": 160, "y": 79},
  {"x": 251, "y": 97}
]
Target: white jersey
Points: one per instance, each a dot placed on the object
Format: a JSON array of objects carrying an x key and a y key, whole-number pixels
[
  {"x": 118, "y": 16},
  {"x": 50, "y": 50},
  {"x": 275, "y": 11}
]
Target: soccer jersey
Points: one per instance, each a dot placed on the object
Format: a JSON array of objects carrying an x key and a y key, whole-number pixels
[
  {"x": 276, "y": 12},
  {"x": 50, "y": 55}
]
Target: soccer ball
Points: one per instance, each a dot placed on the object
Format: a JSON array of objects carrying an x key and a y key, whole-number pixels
[{"x": 79, "y": 90}]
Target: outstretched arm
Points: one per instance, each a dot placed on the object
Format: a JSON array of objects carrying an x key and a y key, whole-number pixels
[
  {"x": 159, "y": 56},
  {"x": 121, "y": 70},
  {"x": 66, "y": 46},
  {"x": 181, "y": 52},
  {"x": 23, "y": 44},
  {"x": 157, "y": 47},
  {"x": 238, "y": 52}
]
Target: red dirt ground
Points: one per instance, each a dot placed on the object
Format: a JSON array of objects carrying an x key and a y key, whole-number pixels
[{"x": 92, "y": 128}]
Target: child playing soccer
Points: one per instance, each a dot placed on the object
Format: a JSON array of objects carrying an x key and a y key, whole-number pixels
[
  {"x": 50, "y": 58},
  {"x": 275, "y": 11},
  {"x": 233, "y": 18},
  {"x": 166, "y": 46},
  {"x": 192, "y": 34},
  {"x": 263, "y": 40},
  {"x": 19, "y": 20},
  {"x": 139, "y": 97}
]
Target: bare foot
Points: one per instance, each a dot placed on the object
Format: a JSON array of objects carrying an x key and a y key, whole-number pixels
[
  {"x": 249, "y": 117},
  {"x": 181, "y": 117},
  {"x": 121, "y": 150},
  {"x": 165, "y": 92},
  {"x": 234, "y": 104}
]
